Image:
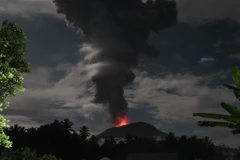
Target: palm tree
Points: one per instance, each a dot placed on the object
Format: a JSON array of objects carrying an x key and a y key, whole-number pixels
[
  {"x": 56, "y": 125},
  {"x": 171, "y": 137},
  {"x": 84, "y": 132},
  {"x": 232, "y": 120},
  {"x": 16, "y": 129},
  {"x": 67, "y": 125}
]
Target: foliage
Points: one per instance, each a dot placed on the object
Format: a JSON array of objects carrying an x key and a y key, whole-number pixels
[
  {"x": 232, "y": 120},
  {"x": 84, "y": 133},
  {"x": 12, "y": 65},
  {"x": 24, "y": 153},
  {"x": 4, "y": 139},
  {"x": 55, "y": 139},
  {"x": 49, "y": 157}
]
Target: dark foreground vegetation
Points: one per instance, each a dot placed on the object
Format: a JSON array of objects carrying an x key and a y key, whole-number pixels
[{"x": 59, "y": 139}]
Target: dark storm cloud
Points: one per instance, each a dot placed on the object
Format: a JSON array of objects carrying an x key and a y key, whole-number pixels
[
  {"x": 47, "y": 38},
  {"x": 118, "y": 31},
  {"x": 197, "y": 10},
  {"x": 27, "y": 8}
]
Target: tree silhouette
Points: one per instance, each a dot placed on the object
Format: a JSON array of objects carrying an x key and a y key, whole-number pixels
[
  {"x": 53, "y": 139},
  {"x": 112, "y": 141},
  {"x": 31, "y": 130},
  {"x": 128, "y": 139},
  {"x": 93, "y": 139},
  {"x": 16, "y": 128},
  {"x": 233, "y": 120},
  {"x": 84, "y": 133},
  {"x": 67, "y": 125}
]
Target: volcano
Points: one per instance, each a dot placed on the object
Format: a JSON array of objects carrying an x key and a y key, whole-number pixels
[{"x": 139, "y": 129}]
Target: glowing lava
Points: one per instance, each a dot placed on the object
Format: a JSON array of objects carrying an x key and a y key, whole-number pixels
[{"x": 121, "y": 121}]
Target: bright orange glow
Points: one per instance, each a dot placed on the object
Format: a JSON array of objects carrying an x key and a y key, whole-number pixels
[{"x": 121, "y": 121}]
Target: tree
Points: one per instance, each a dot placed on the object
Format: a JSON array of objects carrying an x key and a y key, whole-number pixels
[
  {"x": 21, "y": 153},
  {"x": 24, "y": 153},
  {"x": 49, "y": 157},
  {"x": 232, "y": 120},
  {"x": 93, "y": 139},
  {"x": 16, "y": 128},
  {"x": 12, "y": 66},
  {"x": 31, "y": 130},
  {"x": 112, "y": 141},
  {"x": 128, "y": 139},
  {"x": 67, "y": 125},
  {"x": 84, "y": 132}
]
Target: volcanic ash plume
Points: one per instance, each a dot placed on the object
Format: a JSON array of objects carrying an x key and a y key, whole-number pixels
[{"x": 118, "y": 30}]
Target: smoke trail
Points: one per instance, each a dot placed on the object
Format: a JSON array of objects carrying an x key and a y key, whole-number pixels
[{"x": 118, "y": 31}]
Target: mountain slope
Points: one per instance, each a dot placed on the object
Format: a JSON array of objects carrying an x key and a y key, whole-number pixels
[{"x": 139, "y": 129}]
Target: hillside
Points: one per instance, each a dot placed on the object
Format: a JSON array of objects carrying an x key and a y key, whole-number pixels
[{"x": 139, "y": 129}]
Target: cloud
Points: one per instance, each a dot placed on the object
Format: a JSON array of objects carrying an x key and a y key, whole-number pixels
[
  {"x": 25, "y": 8},
  {"x": 48, "y": 94},
  {"x": 208, "y": 9},
  {"x": 167, "y": 97},
  {"x": 23, "y": 120},
  {"x": 175, "y": 97},
  {"x": 188, "y": 9},
  {"x": 206, "y": 60},
  {"x": 234, "y": 56},
  {"x": 172, "y": 99}
]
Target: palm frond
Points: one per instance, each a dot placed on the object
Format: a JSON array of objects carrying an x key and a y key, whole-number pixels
[
  {"x": 230, "y": 87},
  {"x": 231, "y": 109},
  {"x": 228, "y": 118},
  {"x": 235, "y": 75},
  {"x": 216, "y": 124}
]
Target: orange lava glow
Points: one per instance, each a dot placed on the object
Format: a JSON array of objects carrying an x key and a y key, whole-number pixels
[{"x": 121, "y": 121}]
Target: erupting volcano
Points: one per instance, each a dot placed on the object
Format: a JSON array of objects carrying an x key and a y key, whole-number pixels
[
  {"x": 121, "y": 121},
  {"x": 118, "y": 32},
  {"x": 139, "y": 129}
]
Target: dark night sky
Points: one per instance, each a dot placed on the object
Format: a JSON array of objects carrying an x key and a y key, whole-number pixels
[{"x": 187, "y": 77}]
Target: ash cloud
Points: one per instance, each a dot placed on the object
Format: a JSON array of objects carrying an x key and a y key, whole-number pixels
[{"x": 118, "y": 33}]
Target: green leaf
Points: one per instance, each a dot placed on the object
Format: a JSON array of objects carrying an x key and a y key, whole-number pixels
[
  {"x": 230, "y": 87},
  {"x": 217, "y": 117},
  {"x": 235, "y": 75},
  {"x": 4, "y": 23},
  {"x": 216, "y": 124},
  {"x": 13, "y": 64},
  {"x": 237, "y": 94},
  {"x": 231, "y": 109},
  {"x": 234, "y": 118}
]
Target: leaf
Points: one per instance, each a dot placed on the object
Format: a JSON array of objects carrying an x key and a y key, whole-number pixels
[
  {"x": 237, "y": 94},
  {"x": 231, "y": 109},
  {"x": 218, "y": 117},
  {"x": 230, "y": 87},
  {"x": 235, "y": 75},
  {"x": 216, "y": 124},
  {"x": 5, "y": 23},
  {"x": 13, "y": 64}
]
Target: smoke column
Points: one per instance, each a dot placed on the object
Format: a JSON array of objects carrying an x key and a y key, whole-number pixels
[{"x": 118, "y": 31}]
